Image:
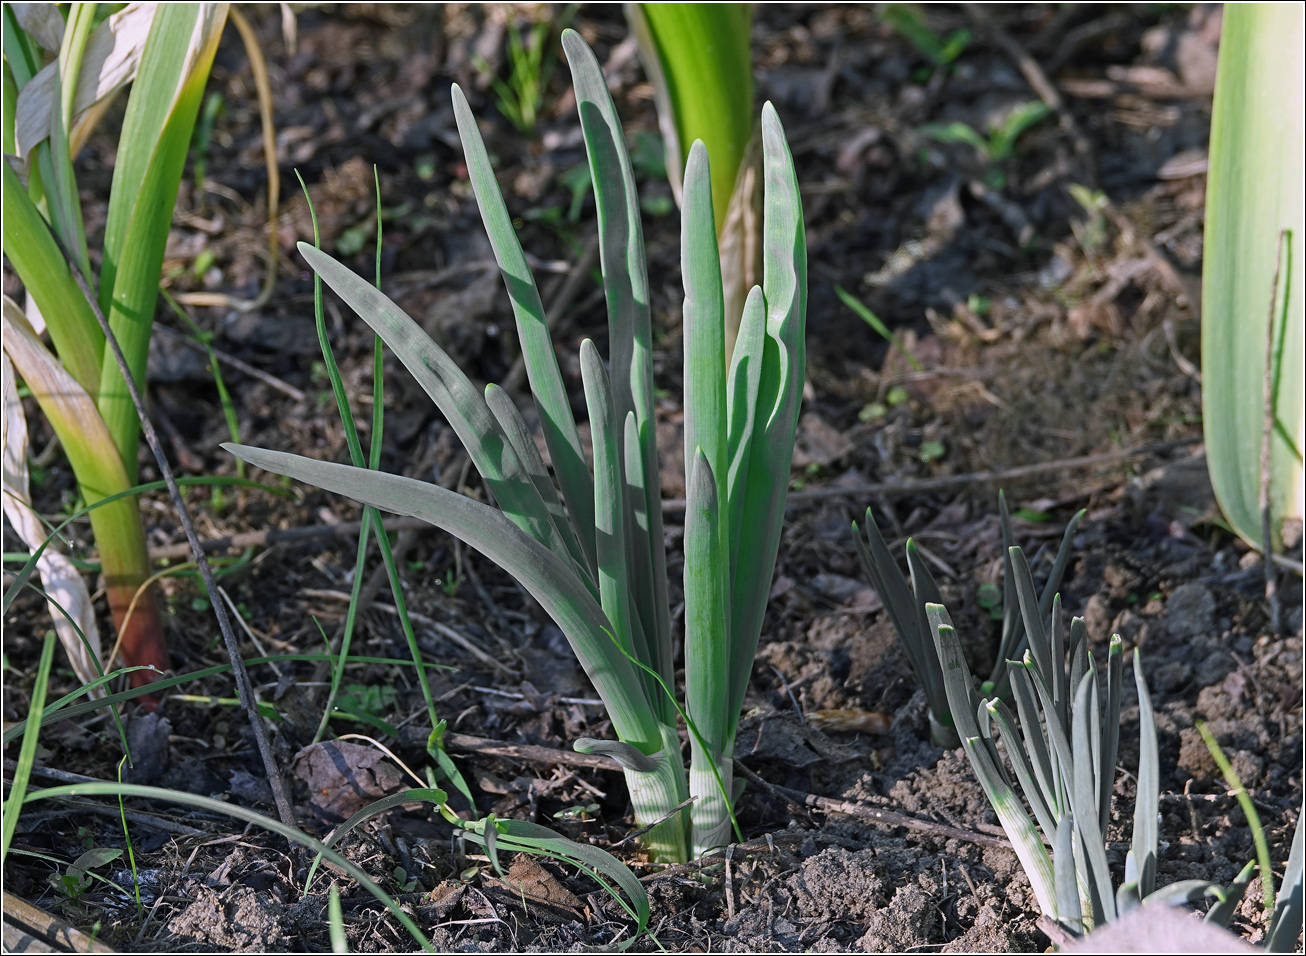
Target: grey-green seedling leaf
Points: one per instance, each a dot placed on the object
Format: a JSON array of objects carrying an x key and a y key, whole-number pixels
[
  {"x": 742, "y": 412},
  {"x": 461, "y": 403},
  {"x": 556, "y": 421},
  {"x": 1222, "y": 912},
  {"x": 1115, "y": 671},
  {"x": 703, "y": 319},
  {"x": 630, "y": 348},
  {"x": 1286, "y": 921},
  {"x": 543, "y": 573},
  {"x": 1011, "y": 813},
  {"x": 707, "y": 681},
  {"x": 1147, "y": 804},
  {"x": 1083, "y": 798},
  {"x": 624, "y": 754},
  {"x": 609, "y": 502},
  {"x": 519, "y": 436},
  {"x": 1069, "y": 913},
  {"x": 780, "y": 391}
]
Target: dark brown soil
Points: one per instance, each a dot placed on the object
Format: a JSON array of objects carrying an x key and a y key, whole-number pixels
[{"x": 1046, "y": 332}]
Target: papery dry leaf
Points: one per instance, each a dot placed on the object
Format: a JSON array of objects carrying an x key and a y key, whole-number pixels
[{"x": 59, "y": 578}]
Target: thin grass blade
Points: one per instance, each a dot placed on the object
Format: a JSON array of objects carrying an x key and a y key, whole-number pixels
[{"x": 27, "y": 752}]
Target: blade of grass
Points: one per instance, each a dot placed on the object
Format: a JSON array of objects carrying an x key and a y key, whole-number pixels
[
  {"x": 336, "y": 922},
  {"x": 1244, "y": 799},
  {"x": 27, "y": 752},
  {"x": 874, "y": 321},
  {"x": 240, "y": 813}
]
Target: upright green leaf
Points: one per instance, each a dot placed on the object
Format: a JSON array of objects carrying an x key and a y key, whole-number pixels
[
  {"x": 1253, "y": 193},
  {"x": 155, "y": 140},
  {"x": 707, "y": 680},
  {"x": 780, "y": 390},
  {"x": 630, "y": 349},
  {"x": 560, "y": 435},
  {"x": 704, "y": 58}
]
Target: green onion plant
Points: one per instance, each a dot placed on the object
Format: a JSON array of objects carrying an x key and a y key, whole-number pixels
[
  {"x": 1063, "y": 747},
  {"x": 906, "y": 602},
  {"x": 590, "y": 549}
]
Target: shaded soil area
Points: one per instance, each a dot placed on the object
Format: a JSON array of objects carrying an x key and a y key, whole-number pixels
[{"x": 1049, "y": 299}]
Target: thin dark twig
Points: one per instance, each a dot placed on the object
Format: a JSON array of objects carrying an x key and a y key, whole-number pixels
[
  {"x": 903, "y": 489},
  {"x": 869, "y": 814},
  {"x": 1267, "y": 430},
  {"x": 243, "y": 687}
]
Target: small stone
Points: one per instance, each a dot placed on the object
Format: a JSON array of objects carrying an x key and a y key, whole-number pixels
[{"x": 1190, "y": 611}]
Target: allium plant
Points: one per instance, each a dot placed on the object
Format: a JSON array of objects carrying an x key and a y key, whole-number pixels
[{"x": 591, "y": 549}]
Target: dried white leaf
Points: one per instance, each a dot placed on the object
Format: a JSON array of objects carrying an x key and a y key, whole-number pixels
[{"x": 59, "y": 578}]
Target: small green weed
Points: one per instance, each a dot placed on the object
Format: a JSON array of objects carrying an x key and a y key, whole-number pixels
[{"x": 999, "y": 145}]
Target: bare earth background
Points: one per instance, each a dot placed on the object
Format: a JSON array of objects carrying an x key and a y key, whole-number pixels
[{"x": 1047, "y": 331}]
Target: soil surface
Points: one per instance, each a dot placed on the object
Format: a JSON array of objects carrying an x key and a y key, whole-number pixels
[{"x": 1047, "y": 327}]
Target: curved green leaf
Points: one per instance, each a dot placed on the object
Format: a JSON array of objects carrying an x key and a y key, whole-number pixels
[{"x": 543, "y": 573}]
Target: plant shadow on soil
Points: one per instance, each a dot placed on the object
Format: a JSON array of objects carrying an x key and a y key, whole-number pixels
[{"x": 1044, "y": 333}]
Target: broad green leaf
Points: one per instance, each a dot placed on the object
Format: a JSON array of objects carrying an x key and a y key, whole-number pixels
[
  {"x": 625, "y": 284},
  {"x": 540, "y": 571},
  {"x": 1253, "y": 192},
  {"x": 108, "y": 64},
  {"x": 560, "y": 435},
  {"x": 155, "y": 140},
  {"x": 35, "y": 255},
  {"x": 703, "y": 54}
]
